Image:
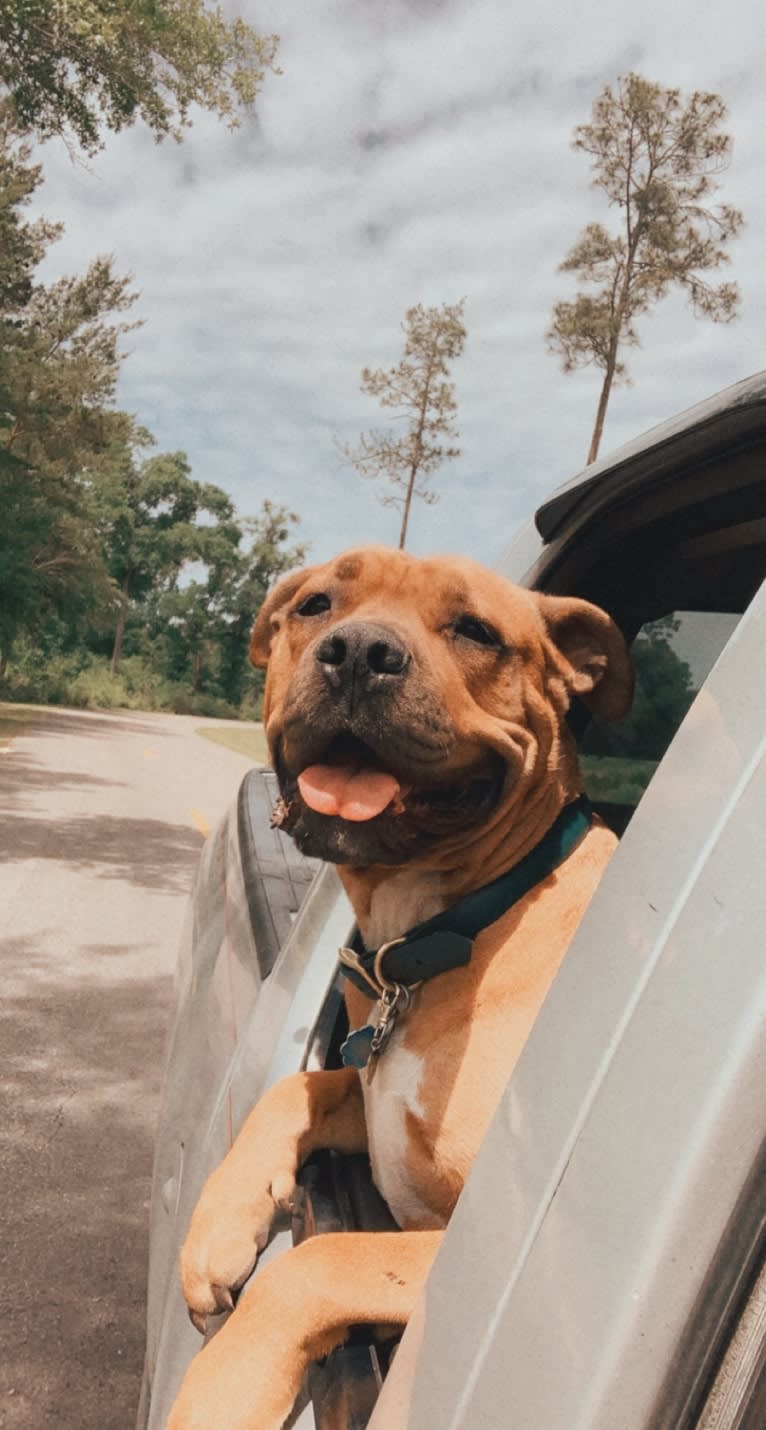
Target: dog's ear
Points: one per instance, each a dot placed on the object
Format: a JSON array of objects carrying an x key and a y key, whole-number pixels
[
  {"x": 269, "y": 616},
  {"x": 595, "y": 651}
]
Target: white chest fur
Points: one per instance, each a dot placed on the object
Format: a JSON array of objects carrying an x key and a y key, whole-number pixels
[
  {"x": 389, "y": 1095},
  {"x": 402, "y": 901}
]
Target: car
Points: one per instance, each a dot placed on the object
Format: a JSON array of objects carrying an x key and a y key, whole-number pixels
[{"x": 605, "y": 1267}]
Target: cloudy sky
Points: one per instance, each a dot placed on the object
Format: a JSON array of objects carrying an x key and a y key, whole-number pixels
[{"x": 411, "y": 151}]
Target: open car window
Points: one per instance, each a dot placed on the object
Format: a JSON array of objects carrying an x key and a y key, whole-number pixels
[{"x": 672, "y": 658}]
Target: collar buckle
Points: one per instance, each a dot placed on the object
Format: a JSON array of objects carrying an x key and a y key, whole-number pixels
[{"x": 384, "y": 983}]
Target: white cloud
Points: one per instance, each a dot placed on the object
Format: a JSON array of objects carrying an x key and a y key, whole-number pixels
[{"x": 409, "y": 152}]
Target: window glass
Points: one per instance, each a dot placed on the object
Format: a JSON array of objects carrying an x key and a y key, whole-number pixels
[{"x": 672, "y": 658}]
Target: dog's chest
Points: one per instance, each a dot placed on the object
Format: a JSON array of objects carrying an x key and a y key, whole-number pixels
[{"x": 390, "y": 1096}]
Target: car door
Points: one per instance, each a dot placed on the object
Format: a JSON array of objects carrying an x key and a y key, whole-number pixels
[{"x": 607, "y": 1250}]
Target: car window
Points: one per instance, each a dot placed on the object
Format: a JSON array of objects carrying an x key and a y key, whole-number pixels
[{"x": 672, "y": 658}]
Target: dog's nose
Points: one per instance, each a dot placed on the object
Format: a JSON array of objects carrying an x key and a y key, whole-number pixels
[{"x": 363, "y": 653}]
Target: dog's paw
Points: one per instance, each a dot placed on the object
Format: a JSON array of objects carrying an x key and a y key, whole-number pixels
[{"x": 224, "y": 1241}]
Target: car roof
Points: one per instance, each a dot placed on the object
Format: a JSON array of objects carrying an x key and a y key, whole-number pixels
[{"x": 733, "y": 418}]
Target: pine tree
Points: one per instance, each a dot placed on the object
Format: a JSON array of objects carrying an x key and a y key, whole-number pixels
[
  {"x": 657, "y": 158},
  {"x": 420, "y": 393}
]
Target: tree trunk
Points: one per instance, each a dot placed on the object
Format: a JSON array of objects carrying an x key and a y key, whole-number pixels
[
  {"x": 603, "y": 403},
  {"x": 3, "y": 661},
  {"x": 418, "y": 454},
  {"x": 119, "y": 634},
  {"x": 618, "y": 318},
  {"x": 196, "y": 670},
  {"x": 406, "y": 511}
]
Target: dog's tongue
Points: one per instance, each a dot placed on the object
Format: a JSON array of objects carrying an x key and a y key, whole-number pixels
[{"x": 348, "y": 791}]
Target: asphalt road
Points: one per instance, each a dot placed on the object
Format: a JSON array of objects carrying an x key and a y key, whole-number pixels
[{"x": 102, "y": 817}]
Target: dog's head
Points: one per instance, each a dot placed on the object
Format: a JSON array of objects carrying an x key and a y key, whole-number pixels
[{"x": 411, "y": 704}]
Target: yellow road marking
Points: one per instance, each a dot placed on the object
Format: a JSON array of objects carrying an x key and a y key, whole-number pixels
[{"x": 199, "y": 821}]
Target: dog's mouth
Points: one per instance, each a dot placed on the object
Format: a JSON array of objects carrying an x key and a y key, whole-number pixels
[
  {"x": 351, "y": 783},
  {"x": 349, "y": 805}
]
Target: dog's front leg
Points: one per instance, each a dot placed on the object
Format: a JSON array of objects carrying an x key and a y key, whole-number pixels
[
  {"x": 233, "y": 1218},
  {"x": 297, "y": 1310}
]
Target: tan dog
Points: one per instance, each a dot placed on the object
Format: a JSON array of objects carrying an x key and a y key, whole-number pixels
[{"x": 415, "y": 710}]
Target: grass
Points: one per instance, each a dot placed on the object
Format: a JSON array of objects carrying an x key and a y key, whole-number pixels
[
  {"x": 244, "y": 740},
  {"x": 616, "y": 778}
]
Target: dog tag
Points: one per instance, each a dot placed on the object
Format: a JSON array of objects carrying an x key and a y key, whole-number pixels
[
  {"x": 371, "y": 1040},
  {"x": 357, "y": 1049}
]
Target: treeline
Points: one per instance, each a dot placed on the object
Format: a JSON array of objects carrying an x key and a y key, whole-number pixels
[{"x": 123, "y": 579}]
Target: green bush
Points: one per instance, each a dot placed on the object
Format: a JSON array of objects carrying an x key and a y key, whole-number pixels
[
  {"x": 96, "y": 689},
  {"x": 43, "y": 678},
  {"x": 82, "y": 679},
  {"x": 190, "y": 702}
]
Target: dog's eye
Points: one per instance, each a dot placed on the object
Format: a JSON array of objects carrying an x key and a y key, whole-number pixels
[
  {"x": 315, "y": 605},
  {"x": 477, "y": 631}
]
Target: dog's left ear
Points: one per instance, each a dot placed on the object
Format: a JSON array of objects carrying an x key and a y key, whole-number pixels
[
  {"x": 268, "y": 618},
  {"x": 595, "y": 651}
]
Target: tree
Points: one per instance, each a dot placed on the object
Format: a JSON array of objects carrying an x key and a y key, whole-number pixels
[
  {"x": 60, "y": 343},
  {"x": 419, "y": 391},
  {"x": 60, "y": 370},
  {"x": 266, "y": 555},
  {"x": 73, "y": 66},
  {"x": 59, "y": 361},
  {"x": 51, "y": 569},
  {"x": 149, "y": 516},
  {"x": 657, "y": 158},
  {"x": 97, "y": 538},
  {"x": 22, "y": 244},
  {"x": 204, "y": 625}
]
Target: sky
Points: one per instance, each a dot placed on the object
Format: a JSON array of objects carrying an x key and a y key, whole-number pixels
[{"x": 411, "y": 151}]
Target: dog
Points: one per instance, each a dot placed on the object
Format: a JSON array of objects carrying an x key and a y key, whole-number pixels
[{"x": 415, "y": 710}]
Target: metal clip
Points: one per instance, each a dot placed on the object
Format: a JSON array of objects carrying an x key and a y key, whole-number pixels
[{"x": 394, "y": 999}]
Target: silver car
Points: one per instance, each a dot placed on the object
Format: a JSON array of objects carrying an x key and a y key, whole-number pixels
[{"x": 604, "y": 1268}]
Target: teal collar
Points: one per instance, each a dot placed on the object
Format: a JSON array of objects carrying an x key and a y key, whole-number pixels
[{"x": 445, "y": 941}]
